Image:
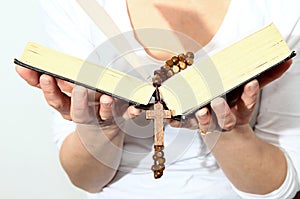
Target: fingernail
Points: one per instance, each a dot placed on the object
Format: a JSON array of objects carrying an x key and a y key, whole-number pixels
[
  {"x": 202, "y": 113},
  {"x": 253, "y": 85},
  {"x": 107, "y": 105},
  {"x": 78, "y": 92},
  {"x": 106, "y": 101},
  {"x": 217, "y": 102},
  {"x": 45, "y": 81}
]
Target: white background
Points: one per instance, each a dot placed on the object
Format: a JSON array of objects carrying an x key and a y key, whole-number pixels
[{"x": 29, "y": 166}]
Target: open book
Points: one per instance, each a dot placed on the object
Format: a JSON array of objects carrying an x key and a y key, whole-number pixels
[{"x": 183, "y": 93}]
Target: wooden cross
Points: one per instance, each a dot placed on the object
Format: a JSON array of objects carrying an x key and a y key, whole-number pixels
[{"x": 158, "y": 114}]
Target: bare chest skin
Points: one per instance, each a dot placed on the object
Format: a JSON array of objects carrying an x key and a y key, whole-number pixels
[{"x": 197, "y": 19}]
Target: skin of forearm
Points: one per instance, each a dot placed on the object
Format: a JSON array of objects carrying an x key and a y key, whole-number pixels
[
  {"x": 83, "y": 168},
  {"x": 252, "y": 165}
]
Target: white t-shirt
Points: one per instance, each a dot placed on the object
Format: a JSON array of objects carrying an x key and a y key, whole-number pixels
[{"x": 191, "y": 172}]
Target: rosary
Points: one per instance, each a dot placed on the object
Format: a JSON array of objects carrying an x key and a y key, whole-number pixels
[{"x": 159, "y": 113}]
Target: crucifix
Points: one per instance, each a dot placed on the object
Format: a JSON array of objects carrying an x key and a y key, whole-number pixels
[{"x": 158, "y": 114}]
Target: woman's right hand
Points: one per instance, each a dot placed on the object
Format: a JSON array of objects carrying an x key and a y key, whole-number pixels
[
  {"x": 68, "y": 101},
  {"x": 56, "y": 92},
  {"x": 90, "y": 107},
  {"x": 97, "y": 139}
]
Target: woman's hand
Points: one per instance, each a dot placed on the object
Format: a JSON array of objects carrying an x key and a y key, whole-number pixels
[
  {"x": 225, "y": 117},
  {"x": 56, "y": 91},
  {"x": 244, "y": 158},
  {"x": 251, "y": 164},
  {"x": 92, "y": 153},
  {"x": 90, "y": 107}
]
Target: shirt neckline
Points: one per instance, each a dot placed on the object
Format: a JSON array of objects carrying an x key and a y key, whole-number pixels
[
  {"x": 121, "y": 17},
  {"x": 211, "y": 45}
]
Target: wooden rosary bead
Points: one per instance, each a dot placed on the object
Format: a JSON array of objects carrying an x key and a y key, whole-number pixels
[
  {"x": 159, "y": 154},
  {"x": 176, "y": 69},
  {"x": 163, "y": 77},
  {"x": 155, "y": 168},
  {"x": 158, "y": 147},
  {"x": 181, "y": 57},
  {"x": 189, "y": 61},
  {"x": 154, "y": 157},
  {"x": 190, "y": 55},
  {"x": 161, "y": 160},
  {"x": 156, "y": 81},
  {"x": 182, "y": 65},
  {"x": 157, "y": 72},
  {"x": 169, "y": 62},
  {"x": 175, "y": 60},
  {"x": 157, "y": 174},
  {"x": 165, "y": 68},
  {"x": 163, "y": 73},
  {"x": 170, "y": 73},
  {"x": 161, "y": 167},
  {"x": 158, "y": 167}
]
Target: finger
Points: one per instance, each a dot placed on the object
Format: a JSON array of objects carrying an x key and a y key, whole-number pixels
[
  {"x": 131, "y": 112},
  {"x": 274, "y": 73},
  {"x": 54, "y": 96},
  {"x": 30, "y": 76},
  {"x": 94, "y": 98},
  {"x": 174, "y": 123},
  {"x": 65, "y": 86},
  {"x": 226, "y": 119},
  {"x": 106, "y": 107},
  {"x": 207, "y": 127},
  {"x": 248, "y": 101},
  {"x": 205, "y": 120},
  {"x": 190, "y": 123},
  {"x": 80, "y": 111},
  {"x": 250, "y": 94}
]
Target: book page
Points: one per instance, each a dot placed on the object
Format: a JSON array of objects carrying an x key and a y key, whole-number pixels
[
  {"x": 227, "y": 69},
  {"x": 96, "y": 77}
]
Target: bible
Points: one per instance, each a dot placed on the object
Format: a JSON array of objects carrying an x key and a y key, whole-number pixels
[{"x": 217, "y": 75}]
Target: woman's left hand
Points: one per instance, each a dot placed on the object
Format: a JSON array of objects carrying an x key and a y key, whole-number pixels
[
  {"x": 226, "y": 118},
  {"x": 223, "y": 116}
]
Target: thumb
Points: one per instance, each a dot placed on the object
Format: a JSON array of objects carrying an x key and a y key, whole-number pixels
[
  {"x": 106, "y": 107},
  {"x": 131, "y": 113}
]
